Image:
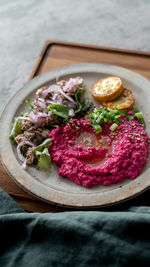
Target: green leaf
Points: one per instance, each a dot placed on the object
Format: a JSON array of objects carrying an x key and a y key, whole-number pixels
[
  {"x": 42, "y": 154},
  {"x": 44, "y": 159},
  {"x": 28, "y": 102},
  {"x": 45, "y": 144},
  {"x": 81, "y": 106},
  {"x": 78, "y": 94},
  {"x": 16, "y": 130},
  {"x": 59, "y": 110}
]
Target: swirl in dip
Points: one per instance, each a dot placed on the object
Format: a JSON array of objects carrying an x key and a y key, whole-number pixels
[{"x": 90, "y": 159}]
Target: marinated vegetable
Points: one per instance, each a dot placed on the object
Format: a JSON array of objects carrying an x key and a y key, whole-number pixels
[
  {"x": 107, "y": 89},
  {"x": 124, "y": 101}
]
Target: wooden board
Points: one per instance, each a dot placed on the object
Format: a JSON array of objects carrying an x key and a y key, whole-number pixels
[{"x": 57, "y": 54}]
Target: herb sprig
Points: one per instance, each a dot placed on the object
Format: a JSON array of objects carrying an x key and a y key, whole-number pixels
[
  {"x": 28, "y": 102},
  {"x": 81, "y": 105}
]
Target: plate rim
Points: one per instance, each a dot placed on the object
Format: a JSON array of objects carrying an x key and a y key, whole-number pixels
[{"x": 61, "y": 200}]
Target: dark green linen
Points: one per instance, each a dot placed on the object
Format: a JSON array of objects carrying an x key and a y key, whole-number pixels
[
  {"x": 80, "y": 238},
  {"x": 7, "y": 204}
]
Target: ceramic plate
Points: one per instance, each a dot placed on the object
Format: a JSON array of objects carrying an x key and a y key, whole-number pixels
[{"x": 48, "y": 186}]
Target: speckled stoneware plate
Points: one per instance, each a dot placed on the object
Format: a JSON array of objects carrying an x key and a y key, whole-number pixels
[{"x": 48, "y": 186}]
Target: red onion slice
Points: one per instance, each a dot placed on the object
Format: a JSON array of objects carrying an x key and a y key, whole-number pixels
[
  {"x": 72, "y": 82},
  {"x": 20, "y": 156},
  {"x": 24, "y": 165},
  {"x": 57, "y": 98},
  {"x": 41, "y": 103},
  {"x": 51, "y": 102},
  {"x": 39, "y": 117},
  {"x": 68, "y": 97},
  {"x": 51, "y": 88},
  {"x": 55, "y": 88},
  {"x": 24, "y": 118}
]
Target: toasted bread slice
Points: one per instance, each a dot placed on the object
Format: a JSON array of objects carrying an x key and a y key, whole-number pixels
[
  {"x": 107, "y": 89},
  {"x": 124, "y": 101}
]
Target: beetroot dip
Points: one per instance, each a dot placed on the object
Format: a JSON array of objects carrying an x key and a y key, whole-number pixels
[{"x": 90, "y": 159}]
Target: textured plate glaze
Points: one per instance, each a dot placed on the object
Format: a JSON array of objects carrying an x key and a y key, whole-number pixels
[{"x": 48, "y": 186}]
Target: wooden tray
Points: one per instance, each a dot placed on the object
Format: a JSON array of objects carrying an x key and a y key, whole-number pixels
[{"x": 57, "y": 54}]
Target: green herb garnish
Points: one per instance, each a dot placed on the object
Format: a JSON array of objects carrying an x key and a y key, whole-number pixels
[
  {"x": 81, "y": 105},
  {"x": 113, "y": 127},
  {"x": 28, "y": 102},
  {"x": 44, "y": 159},
  {"x": 102, "y": 115},
  {"x": 42, "y": 154},
  {"x": 59, "y": 110},
  {"x": 135, "y": 109},
  {"x": 46, "y": 143},
  {"x": 139, "y": 117}
]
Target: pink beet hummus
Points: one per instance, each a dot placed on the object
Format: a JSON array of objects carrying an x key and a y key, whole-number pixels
[{"x": 90, "y": 159}]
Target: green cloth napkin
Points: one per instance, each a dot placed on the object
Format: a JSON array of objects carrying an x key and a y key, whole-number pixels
[{"x": 80, "y": 238}]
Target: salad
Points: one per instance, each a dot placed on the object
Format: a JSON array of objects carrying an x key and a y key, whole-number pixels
[{"x": 54, "y": 105}]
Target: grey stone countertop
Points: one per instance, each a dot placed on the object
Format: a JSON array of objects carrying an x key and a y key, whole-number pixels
[{"x": 26, "y": 25}]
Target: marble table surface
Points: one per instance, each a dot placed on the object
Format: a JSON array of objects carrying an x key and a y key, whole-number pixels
[{"x": 26, "y": 25}]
